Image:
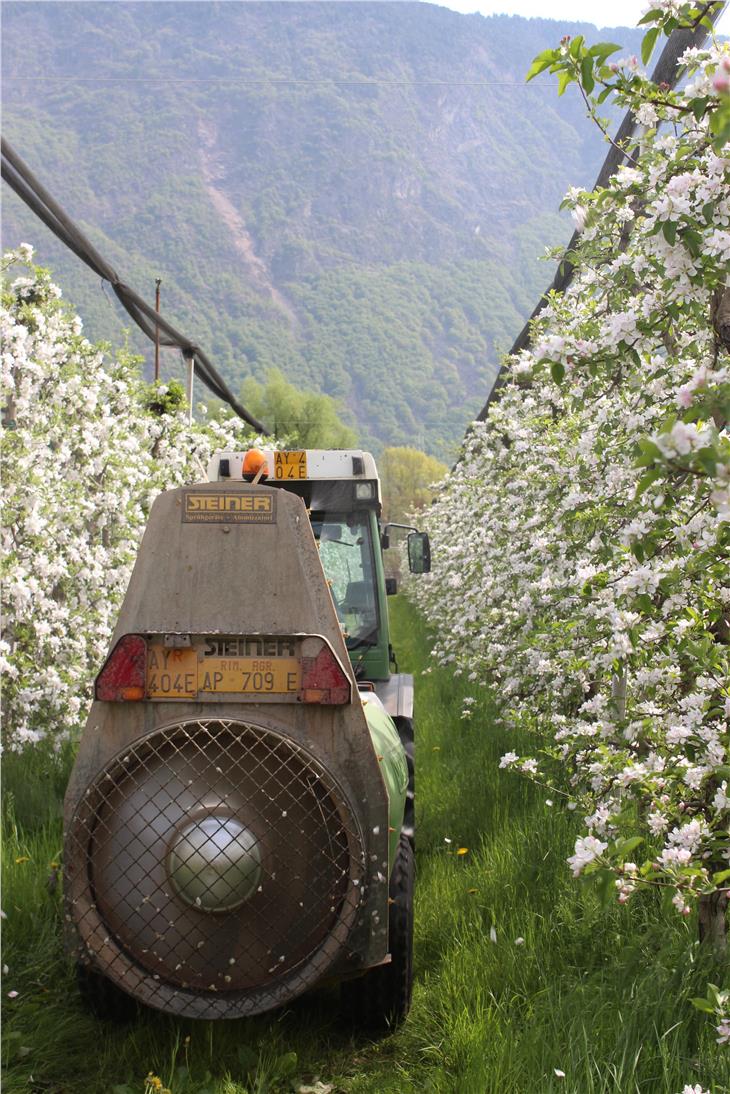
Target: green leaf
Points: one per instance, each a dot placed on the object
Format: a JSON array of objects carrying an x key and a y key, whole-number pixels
[
  {"x": 648, "y": 43},
  {"x": 286, "y": 1065},
  {"x": 669, "y": 231},
  {"x": 604, "y": 94},
  {"x": 626, "y": 846},
  {"x": 649, "y": 453},
  {"x": 703, "y": 1005},
  {"x": 654, "y": 13},
  {"x": 605, "y": 882},
  {"x": 557, "y": 371},
  {"x": 720, "y": 125},
  {"x": 575, "y": 46},
  {"x": 723, "y": 875},
  {"x": 707, "y": 460},
  {"x": 564, "y": 79},
  {"x": 586, "y": 72},
  {"x": 693, "y": 241},
  {"x": 541, "y": 62},
  {"x": 248, "y": 1058},
  {"x": 602, "y": 50},
  {"x": 647, "y": 479}
]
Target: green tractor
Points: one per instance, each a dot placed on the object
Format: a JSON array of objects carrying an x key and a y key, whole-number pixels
[{"x": 240, "y": 819}]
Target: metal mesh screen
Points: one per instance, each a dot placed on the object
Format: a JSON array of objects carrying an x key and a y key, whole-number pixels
[{"x": 214, "y": 869}]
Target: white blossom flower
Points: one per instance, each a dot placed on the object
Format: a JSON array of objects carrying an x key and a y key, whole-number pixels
[{"x": 587, "y": 848}]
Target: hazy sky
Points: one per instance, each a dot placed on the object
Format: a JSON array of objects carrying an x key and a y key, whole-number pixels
[{"x": 617, "y": 13}]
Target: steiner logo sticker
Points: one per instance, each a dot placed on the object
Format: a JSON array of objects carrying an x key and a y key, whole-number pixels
[{"x": 226, "y": 508}]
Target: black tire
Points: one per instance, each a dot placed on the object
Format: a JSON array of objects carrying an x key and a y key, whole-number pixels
[
  {"x": 406, "y": 732},
  {"x": 104, "y": 999},
  {"x": 381, "y": 999}
]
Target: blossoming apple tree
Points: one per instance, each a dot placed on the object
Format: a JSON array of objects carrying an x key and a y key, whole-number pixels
[
  {"x": 86, "y": 447},
  {"x": 582, "y": 543}
]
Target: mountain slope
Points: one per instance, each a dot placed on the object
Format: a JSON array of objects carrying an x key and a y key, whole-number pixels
[{"x": 355, "y": 193}]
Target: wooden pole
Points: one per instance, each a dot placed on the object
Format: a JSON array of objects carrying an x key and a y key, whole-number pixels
[
  {"x": 191, "y": 375},
  {"x": 157, "y": 328}
]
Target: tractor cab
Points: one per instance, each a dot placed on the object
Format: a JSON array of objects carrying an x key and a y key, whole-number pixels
[{"x": 341, "y": 490}]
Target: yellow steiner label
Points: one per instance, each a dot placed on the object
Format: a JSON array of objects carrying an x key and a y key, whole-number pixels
[{"x": 229, "y": 508}]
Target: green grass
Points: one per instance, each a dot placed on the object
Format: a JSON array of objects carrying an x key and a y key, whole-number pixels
[{"x": 599, "y": 993}]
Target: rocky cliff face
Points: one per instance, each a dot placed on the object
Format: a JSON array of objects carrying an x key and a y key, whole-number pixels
[{"x": 356, "y": 193}]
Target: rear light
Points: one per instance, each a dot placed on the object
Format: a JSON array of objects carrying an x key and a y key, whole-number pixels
[
  {"x": 254, "y": 463},
  {"x": 323, "y": 680},
  {"x": 124, "y": 675}
]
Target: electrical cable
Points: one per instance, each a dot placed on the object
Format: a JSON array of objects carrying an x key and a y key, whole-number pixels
[
  {"x": 667, "y": 72},
  {"x": 30, "y": 190}
]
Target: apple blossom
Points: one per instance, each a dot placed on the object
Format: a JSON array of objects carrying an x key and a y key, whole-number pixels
[
  {"x": 581, "y": 546},
  {"x": 84, "y": 458}
]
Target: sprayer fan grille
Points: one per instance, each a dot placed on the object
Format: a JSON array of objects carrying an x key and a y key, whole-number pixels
[{"x": 214, "y": 869}]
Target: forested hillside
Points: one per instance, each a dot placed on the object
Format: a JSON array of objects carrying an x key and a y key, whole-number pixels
[{"x": 354, "y": 193}]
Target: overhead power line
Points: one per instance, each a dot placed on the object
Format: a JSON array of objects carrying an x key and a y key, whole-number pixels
[
  {"x": 267, "y": 81},
  {"x": 21, "y": 179},
  {"x": 667, "y": 71}
]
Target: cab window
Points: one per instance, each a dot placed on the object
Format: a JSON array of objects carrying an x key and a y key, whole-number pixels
[{"x": 346, "y": 553}]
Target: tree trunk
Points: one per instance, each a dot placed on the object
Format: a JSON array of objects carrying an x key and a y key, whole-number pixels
[
  {"x": 721, "y": 315},
  {"x": 713, "y": 920}
]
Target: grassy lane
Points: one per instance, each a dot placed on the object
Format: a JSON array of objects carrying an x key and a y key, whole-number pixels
[{"x": 520, "y": 971}]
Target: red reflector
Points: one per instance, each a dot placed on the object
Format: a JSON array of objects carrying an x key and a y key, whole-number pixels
[
  {"x": 323, "y": 680},
  {"x": 124, "y": 675}
]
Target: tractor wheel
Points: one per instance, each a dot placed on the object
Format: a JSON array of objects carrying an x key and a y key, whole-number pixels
[
  {"x": 104, "y": 999},
  {"x": 380, "y": 999}
]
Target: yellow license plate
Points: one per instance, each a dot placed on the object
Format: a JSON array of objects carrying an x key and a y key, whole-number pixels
[
  {"x": 182, "y": 674},
  {"x": 249, "y": 675},
  {"x": 290, "y": 465},
  {"x": 172, "y": 674}
]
